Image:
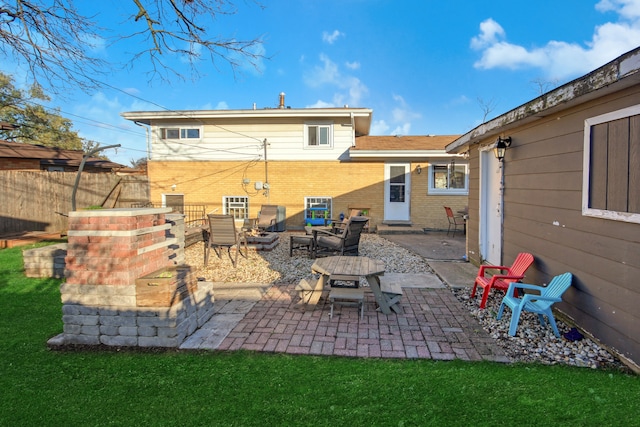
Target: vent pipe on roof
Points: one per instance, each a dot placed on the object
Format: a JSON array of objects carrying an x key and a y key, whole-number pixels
[{"x": 281, "y": 100}]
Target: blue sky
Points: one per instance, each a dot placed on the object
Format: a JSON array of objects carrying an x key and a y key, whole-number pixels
[{"x": 424, "y": 67}]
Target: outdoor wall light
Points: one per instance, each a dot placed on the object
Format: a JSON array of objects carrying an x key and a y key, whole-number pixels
[
  {"x": 501, "y": 147},
  {"x": 418, "y": 169},
  {"x": 173, "y": 187}
]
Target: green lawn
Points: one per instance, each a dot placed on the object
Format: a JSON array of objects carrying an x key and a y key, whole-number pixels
[{"x": 89, "y": 388}]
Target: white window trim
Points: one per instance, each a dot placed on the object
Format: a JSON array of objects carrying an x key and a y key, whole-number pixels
[
  {"x": 246, "y": 208},
  {"x": 180, "y": 128},
  {"x": 448, "y": 191},
  {"x": 586, "y": 164},
  {"x": 328, "y": 124}
]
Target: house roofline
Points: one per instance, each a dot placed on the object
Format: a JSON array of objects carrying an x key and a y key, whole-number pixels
[
  {"x": 360, "y": 117},
  {"x": 614, "y": 76},
  {"x": 392, "y": 154}
]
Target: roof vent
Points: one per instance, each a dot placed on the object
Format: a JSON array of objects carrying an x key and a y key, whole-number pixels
[{"x": 281, "y": 100}]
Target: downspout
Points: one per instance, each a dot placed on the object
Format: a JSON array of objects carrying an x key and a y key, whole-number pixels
[{"x": 147, "y": 138}]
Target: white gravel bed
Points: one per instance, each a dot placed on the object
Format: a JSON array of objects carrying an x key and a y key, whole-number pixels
[{"x": 532, "y": 343}]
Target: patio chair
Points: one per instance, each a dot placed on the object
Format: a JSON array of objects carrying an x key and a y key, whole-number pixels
[
  {"x": 539, "y": 303},
  {"x": 267, "y": 218},
  {"x": 339, "y": 241},
  {"x": 515, "y": 273},
  {"x": 454, "y": 221},
  {"x": 222, "y": 233}
]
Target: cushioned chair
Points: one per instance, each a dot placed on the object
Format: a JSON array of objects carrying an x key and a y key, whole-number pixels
[
  {"x": 539, "y": 303},
  {"x": 339, "y": 241},
  {"x": 503, "y": 278},
  {"x": 222, "y": 233},
  {"x": 266, "y": 220}
]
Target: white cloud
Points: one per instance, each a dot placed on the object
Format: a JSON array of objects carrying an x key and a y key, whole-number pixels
[
  {"x": 350, "y": 90},
  {"x": 561, "y": 59},
  {"x": 401, "y": 117},
  {"x": 627, "y": 9},
  {"x": 490, "y": 33},
  {"x": 320, "y": 104},
  {"x": 379, "y": 127},
  {"x": 460, "y": 100},
  {"x": 352, "y": 65},
  {"x": 404, "y": 129},
  {"x": 331, "y": 37}
]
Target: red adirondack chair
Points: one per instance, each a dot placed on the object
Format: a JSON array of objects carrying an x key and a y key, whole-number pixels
[{"x": 501, "y": 281}]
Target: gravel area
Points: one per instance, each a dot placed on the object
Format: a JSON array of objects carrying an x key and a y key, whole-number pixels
[{"x": 532, "y": 343}]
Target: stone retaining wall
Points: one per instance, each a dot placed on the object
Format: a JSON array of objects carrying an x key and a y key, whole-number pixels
[
  {"x": 107, "y": 315},
  {"x": 47, "y": 261}
]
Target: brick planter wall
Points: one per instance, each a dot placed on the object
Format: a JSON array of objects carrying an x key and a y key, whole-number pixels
[{"x": 107, "y": 251}]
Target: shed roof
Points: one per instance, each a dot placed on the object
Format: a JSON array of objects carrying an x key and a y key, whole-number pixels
[
  {"x": 51, "y": 155},
  {"x": 618, "y": 74}
]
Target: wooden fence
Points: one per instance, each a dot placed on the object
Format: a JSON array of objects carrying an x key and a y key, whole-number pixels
[{"x": 41, "y": 201}]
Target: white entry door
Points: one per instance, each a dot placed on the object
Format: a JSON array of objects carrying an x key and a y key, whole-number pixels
[
  {"x": 397, "y": 191},
  {"x": 490, "y": 208}
]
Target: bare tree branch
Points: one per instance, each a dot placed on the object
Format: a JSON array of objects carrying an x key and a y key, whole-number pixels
[
  {"x": 487, "y": 107},
  {"x": 53, "y": 41},
  {"x": 543, "y": 86}
]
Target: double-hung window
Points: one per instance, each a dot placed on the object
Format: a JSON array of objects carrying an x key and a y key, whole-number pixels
[
  {"x": 318, "y": 135},
  {"x": 448, "y": 178},
  {"x": 611, "y": 166},
  {"x": 180, "y": 133}
]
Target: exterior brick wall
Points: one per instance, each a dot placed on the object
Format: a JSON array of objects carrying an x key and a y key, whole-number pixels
[{"x": 350, "y": 184}]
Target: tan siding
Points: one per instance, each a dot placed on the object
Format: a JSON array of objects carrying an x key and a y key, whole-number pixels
[
  {"x": 543, "y": 215},
  {"x": 634, "y": 164}
]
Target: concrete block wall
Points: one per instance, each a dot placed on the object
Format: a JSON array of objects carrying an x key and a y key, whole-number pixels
[
  {"x": 108, "y": 316},
  {"x": 107, "y": 251},
  {"x": 47, "y": 261}
]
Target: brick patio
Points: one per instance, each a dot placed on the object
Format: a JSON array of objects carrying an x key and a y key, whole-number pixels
[{"x": 433, "y": 325}]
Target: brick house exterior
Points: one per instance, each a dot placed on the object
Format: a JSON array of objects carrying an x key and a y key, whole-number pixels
[{"x": 234, "y": 161}]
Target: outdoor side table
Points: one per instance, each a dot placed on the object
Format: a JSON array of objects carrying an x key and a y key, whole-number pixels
[{"x": 301, "y": 242}]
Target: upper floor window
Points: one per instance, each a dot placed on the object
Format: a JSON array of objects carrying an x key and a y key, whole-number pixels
[
  {"x": 180, "y": 133},
  {"x": 448, "y": 178},
  {"x": 611, "y": 166},
  {"x": 318, "y": 135}
]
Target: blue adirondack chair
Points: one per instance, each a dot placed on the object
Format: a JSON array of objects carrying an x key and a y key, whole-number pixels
[{"x": 536, "y": 303}]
